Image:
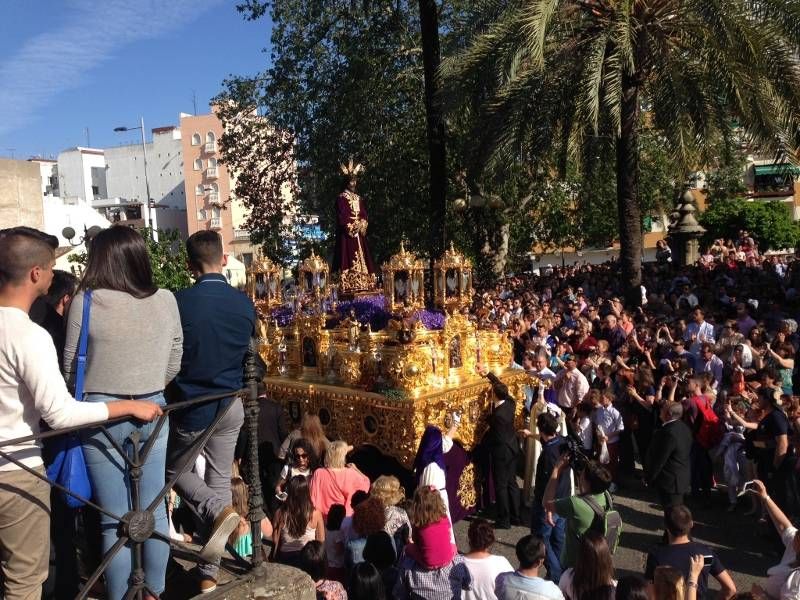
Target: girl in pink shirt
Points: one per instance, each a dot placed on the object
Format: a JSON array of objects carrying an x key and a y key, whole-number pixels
[{"x": 432, "y": 547}]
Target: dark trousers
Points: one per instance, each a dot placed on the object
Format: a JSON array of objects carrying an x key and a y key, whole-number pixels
[
  {"x": 668, "y": 499},
  {"x": 504, "y": 473},
  {"x": 702, "y": 469}
]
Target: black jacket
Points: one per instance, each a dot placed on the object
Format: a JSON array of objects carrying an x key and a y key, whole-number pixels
[
  {"x": 667, "y": 463},
  {"x": 502, "y": 431}
]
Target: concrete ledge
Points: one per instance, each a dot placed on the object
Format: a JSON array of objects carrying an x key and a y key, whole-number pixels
[{"x": 282, "y": 582}]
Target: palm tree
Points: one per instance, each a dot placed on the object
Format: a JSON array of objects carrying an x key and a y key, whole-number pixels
[{"x": 559, "y": 75}]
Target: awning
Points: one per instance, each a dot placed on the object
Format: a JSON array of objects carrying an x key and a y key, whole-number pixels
[{"x": 782, "y": 169}]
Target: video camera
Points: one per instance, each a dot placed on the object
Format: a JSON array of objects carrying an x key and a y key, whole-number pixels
[{"x": 574, "y": 447}]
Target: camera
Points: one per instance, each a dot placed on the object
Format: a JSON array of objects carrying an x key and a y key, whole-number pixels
[{"x": 574, "y": 447}]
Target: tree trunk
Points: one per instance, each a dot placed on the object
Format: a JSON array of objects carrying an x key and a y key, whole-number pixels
[
  {"x": 629, "y": 211},
  {"x": 437, "y": 154}
]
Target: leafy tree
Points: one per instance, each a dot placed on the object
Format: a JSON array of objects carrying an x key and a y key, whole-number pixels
[
  {"x": 168, "y": 259},
  {"x": 344, "y": 82},
  {"x": 553, "y": 75},
  {"x": 770, "y": 223}
]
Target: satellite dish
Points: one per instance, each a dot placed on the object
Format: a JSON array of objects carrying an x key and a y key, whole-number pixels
[
  {"x": 68, "y": 233},
  {"x": 93, "y": 231}
]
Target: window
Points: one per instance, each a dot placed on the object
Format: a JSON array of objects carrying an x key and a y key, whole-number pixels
[
  {"x": 212, "y": 162},
  {"x": 210, "y": 137},
  {"x": 214, "y": 188},
  {"x": 215, "y": 213},
  {"x": 198, "y": 190},
  {"x": 198, "y": 164},
  {"x": 201, "y": 215},
  {"x": 196, "y": 140}
]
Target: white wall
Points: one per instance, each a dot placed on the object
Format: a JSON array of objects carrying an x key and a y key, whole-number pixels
[
  {"x": 125, "y": 176},
  {"x": 125, "y": 172},
  {"x": 49, "y": 172},
  {"x": 75, "y": 174}
]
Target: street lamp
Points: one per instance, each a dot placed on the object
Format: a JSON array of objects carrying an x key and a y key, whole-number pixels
[{"x": 146, "y": 205}]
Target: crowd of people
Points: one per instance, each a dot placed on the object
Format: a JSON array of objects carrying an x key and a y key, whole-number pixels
[{"x": 694, "y": 382}]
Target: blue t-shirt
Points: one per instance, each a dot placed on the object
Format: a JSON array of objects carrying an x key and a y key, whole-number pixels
[{"x": 217, "y": 322}]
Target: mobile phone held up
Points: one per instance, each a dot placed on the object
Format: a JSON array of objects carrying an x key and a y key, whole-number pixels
[{"x": 707, "y": 560}]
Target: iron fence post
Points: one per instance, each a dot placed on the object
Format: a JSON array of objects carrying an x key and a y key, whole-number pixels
[{"x": 256, "y": 500}]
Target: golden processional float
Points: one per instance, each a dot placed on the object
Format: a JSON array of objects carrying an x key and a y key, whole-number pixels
[{"x": 379, "y": 368}]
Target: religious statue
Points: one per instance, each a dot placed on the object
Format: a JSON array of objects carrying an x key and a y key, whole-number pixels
[
  {"x": 351, "y": 256},
  {"x": 353, "y": 327}
]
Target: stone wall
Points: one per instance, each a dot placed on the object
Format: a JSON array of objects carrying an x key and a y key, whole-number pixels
[{"x": 20, "y": 194}]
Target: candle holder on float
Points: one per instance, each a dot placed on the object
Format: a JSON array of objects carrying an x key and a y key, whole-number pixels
[
  {"x": 314, "y": 276},
  {"x": 404, "y": 281},
  {"x": 452, "y": 281},
  {"x": 263, "y": 283}
]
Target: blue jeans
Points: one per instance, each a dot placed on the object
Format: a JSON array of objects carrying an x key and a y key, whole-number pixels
[
  {"x": 553, "y": 536},
  {"x": 111, "y": 489}
]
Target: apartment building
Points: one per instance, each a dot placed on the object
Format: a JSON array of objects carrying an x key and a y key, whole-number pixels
[{"x": 210, "y": 203}]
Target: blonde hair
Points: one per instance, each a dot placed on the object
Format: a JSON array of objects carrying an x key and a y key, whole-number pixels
[
  {"x": 239, "y": 502},
  {"x": 387, "y": 488},
  {"x": 668, "y": 583},
  {"x": 427, "y": 507},
  {"x": 336, "y": 454}
]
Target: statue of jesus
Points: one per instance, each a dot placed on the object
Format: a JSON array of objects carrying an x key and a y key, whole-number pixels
[{"x": 351, "y": 256}]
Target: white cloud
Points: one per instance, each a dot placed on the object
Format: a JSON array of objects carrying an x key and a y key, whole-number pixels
[{"x": 93, "y": 32}]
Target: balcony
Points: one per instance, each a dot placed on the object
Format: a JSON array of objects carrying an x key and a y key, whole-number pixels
[
  {"x": 211, "y": 173},
  {"x": 213, "y": 198},
  {"x": 241, "y": 235},
  {"x": 211, "y": 147},
  {"x": 216, "y": 223}
]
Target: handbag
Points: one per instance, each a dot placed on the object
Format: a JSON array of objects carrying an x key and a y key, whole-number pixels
[{"x": 68, "y": 468}]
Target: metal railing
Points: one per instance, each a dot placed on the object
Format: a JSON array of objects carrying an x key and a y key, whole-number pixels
[{"x": 138, "y": 525}]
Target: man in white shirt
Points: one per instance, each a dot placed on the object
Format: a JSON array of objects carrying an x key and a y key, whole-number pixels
[
  {"x": 698, "y": 332},
  {"x": 711, "y": 363},
  {"x": 571, "y": 385},
  {"x": 31, "y": 388},
  {"x": 609, "y": 424}
]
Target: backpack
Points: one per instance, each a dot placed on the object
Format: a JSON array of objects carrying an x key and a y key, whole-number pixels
[
  {"x": 709, "y": 434},
  {"x": 606, "y": 522}
]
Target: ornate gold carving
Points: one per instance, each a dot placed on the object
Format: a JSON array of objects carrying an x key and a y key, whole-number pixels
[
  {"x": 467, "y": 491},
  {"x": 400, "y": 422},
  {"x": 358, "y": 279}
]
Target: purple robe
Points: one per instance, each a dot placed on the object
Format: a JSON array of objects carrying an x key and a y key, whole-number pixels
[{"x": 346, "y": 254}]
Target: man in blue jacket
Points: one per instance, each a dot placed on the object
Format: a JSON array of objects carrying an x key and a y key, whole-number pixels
[{"x": 217, "y": 322}]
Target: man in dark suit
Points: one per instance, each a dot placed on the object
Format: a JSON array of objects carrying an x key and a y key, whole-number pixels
[
  {"x": 667, "y": 464},
  {"x": 501, "y": 443}
]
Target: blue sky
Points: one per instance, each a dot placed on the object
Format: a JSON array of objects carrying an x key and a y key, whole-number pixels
[{"x": 66, "y": 65}]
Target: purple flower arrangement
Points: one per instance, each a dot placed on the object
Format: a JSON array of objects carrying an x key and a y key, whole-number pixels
[{"x": 368, "y": 309}]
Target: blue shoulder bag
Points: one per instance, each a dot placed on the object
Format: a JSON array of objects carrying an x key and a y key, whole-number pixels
[{"x": 68, "y": 468}]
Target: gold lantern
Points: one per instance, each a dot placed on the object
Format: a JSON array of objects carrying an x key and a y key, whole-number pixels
[
  {"x": 314, "y": 276},
  {"x": 452, "y": 280},
  {"x": 404, "y": 281},
  {"x": 264, "y": 283}
]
